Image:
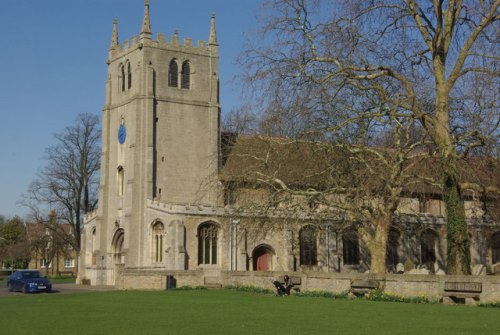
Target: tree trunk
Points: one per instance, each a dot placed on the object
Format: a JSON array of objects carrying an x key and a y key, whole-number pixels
[
  {"x": 377, "y": 244},
  {"x": 458, "y": 253}
]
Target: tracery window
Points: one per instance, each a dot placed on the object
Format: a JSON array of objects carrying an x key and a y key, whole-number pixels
[
  {"x": 173, "y": 73},
  {"x": 122, "y": 78},
  {"x": 185, "y": 75},
  {"x": 350, "y": 244},
  {"x": 129, "y": 76},
  {"x": 392, "y": 257},
  {"x": 308, "y": 245},
  {"x": 158, "y": 231},
  {"x": 428, "y": 242},
  {"x": 207, "y": 243}
]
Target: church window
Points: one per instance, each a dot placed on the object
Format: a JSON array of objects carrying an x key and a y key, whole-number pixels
[
  {"x": 158, "y": 231},
  {"x": 428, "y": 241},
  {"x": 173, "y": 73},
  {"x": 495, "y": 248},
  {"x": 392, "y": 257},
  {"x": 185, "y": 75},
  {"x": 350, "y": 244},
  {"x": 69, "y": 263},
  {"x": 122, "y": 78},
  {"x": 121, "y": 180},
  {"x": 129, "y": 77},
  {"x": 308, "y": 245},
  {"x": 94, "y": 246},
  {"x": 207, "y": 243}
]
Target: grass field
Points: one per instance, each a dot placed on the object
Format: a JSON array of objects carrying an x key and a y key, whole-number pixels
[{"x": 232, "y": 312}]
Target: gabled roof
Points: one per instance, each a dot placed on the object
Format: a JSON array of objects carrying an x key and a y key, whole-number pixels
[{"x": 247, "y": 158}]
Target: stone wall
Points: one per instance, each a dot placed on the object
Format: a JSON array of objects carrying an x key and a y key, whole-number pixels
[{"x": 405, "y": 285}]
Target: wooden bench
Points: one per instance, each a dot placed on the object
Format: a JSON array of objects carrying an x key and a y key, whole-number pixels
[
  {"x": 296, "y": 281},
  {"x": 60, "y": 273},
  {"x": 360, "y": 287},
  {"x": 462, "y": 292}
]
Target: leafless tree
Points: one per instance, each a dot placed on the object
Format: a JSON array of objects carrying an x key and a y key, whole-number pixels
[
  {"x": 431, "y": 63},
  {"x": 68, "y": 183}
]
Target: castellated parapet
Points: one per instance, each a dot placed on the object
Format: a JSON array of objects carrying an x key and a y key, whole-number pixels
[{"x": 201, "y": 48}]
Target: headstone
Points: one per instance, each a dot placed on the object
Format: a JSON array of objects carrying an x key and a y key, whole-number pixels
[
  {"x": 496, "y": 269},
  {"x": 421, "y": 271},
  {"x": 479, "y": 270},
  {"x": 400, "y": 268}
]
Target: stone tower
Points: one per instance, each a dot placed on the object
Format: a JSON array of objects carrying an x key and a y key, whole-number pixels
[{"x": 160, "y": 130}]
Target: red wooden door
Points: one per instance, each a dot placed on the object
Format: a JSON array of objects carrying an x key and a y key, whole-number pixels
[{"x": 263, "y": 261}]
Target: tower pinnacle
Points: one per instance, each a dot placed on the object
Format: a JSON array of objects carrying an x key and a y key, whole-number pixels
[
  {"x": 212, "y": 40},
  {"x": 114, "y": 36},
  {"x": 146, "y": 25}
]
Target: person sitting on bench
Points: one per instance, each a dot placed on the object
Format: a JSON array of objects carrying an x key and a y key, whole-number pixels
[{"x": 285, "y": 288}]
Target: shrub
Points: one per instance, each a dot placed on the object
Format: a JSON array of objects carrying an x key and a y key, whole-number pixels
[
  {"x": 323, "y": 294},
  {"x": 248, "y": 288},
  {"x": 380, "y": 295},
  {"x": 489, "y": 304}
]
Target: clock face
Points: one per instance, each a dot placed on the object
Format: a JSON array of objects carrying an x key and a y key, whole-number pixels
[{"x": 122, "y": 133}]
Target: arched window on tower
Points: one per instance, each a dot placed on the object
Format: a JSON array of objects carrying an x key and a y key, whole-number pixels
[
  {"x": 122, "y": 78},
  {"x": 350, "y": 244},
  {"x": 185, "y": 75},
  {"x": 129, "y": 76},
  {"x": 207, "y": 243},
  {"x": 158, "y": 232},
  {"x": 308, "y": 245},
  {"x": 173, "y": 74}
]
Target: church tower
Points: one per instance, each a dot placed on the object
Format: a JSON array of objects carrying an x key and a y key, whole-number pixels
[{"x": 160, "y": 131}]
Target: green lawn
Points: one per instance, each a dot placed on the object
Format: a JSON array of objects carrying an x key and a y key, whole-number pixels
[{"x": 232, "y": 312}]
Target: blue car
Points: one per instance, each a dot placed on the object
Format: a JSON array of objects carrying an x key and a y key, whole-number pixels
[{"x": 28, "y": 281}]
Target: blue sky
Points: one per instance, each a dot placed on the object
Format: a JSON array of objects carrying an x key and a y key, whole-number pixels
[{"x": 53, "y": 67}]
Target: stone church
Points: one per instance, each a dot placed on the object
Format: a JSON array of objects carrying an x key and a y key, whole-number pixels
[{"x": 166, "y": 207}]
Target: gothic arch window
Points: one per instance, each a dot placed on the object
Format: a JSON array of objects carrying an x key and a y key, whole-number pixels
[
  {"x": 121, "y": 180},
  {"x": 495, "y": 247},
  {"x": 263, "y": 258},
  {"x": 185, "y": 75},
  {"x": 122, "y": 77},
  {"x": 207, "y": 243},
  {"x": 129, "y": 77},
  {"x": 428, "y": 244},
  {"x": 392, "y": 257},
  {"x": 158, "y": 233},
  {"x": 173, "y": 74},
  {"x": 350, "y": 244},
  {"x": 308, "y": 245}
]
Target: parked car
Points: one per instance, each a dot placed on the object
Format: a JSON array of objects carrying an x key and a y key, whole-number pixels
[{"x": 28, "y": 281}]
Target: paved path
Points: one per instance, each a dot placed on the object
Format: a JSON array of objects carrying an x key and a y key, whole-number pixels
[{"x": 65, "y": 288}]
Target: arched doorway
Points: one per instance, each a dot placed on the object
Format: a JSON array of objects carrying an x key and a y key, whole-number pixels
[
  {"x": 263, "y": 258},
  {"x": 117, "y": 250}
]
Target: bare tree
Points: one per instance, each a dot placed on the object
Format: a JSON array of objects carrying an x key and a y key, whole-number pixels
[
  {"x": 68, "y": 182},
  {"x": 421, "y": 58}
]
